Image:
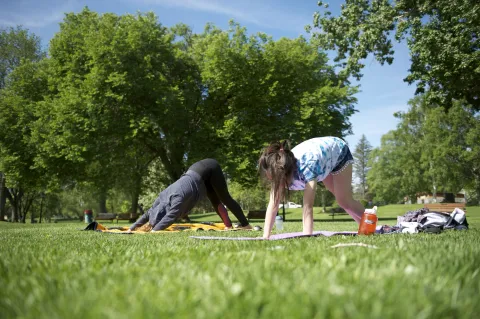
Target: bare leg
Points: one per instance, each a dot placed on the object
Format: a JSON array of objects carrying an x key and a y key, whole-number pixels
[
  {"x": 342, "y": 185},
  {"x": 217, "y": 205},
  {"x": 328, "y": 182}
]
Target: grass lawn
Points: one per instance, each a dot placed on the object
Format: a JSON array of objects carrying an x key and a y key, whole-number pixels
[{"x": 56, "y": 271}]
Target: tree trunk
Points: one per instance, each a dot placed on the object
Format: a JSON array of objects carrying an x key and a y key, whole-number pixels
[
  {"x": 3, "y": 197},
  {"x": 25, "y": 205},
  {"x": 41, "y": 211},
  {"x": 15, "y": 198},
  {"x": 32, "y": 216},
  {"x": 174, "y": 171},
  {"x": 135, "y": 196},
  {"x": 15, "y": 212},
  {"x": 102, "y": 203},
  {"x": 21, "y": 212},
  {"x": 324, "y": 204}
]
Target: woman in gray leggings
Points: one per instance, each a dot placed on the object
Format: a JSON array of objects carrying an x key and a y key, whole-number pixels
[{"x": 202, "y": 178}]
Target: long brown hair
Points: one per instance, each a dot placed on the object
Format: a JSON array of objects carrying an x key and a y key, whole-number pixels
[{"x": 277, "y": 165}]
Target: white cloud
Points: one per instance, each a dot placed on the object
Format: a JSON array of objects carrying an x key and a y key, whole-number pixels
[
  {"x": 244, "y": 11},
  {"x": 33, "y": 14}
]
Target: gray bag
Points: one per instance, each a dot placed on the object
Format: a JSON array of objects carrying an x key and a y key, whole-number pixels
[{"x": 435, "y": 222}]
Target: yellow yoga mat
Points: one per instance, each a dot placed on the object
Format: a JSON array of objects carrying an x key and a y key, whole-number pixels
[{"x": 171, "y": 228}]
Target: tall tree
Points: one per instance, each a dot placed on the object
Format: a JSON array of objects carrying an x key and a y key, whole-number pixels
[
  {"x": 130, "y": 91},
  {"x": 432, "y": 149},
  {"x": 443, "y": 37},
  {"x": 451, "y": 146},
  {"x": 397, "y": 168},
  {"x": 361, "y": 165},
  {"x": 16, "y": 44},
  {"x": 119, "y": 93},
  {"x": 263, "y": 90},
  {"x": 26, "y": 86},
  {"x": 112, "y": 74}
]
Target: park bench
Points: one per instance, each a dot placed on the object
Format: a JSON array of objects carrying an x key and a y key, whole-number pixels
[
  {"x": 445, "y": 207},
  {"x": 127, "y": 216},
  {"x": 57, "y": 219},
  {"x": 258, "y": 214},
  {"x": 116, "y": 217},
  {"x": 106, "y": 216}
]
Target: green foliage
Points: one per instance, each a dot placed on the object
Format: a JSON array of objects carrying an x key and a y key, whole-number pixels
[
  {"x": 364, "y": 203},
  {"x": 263, "y": 90},
  {"x": 17, "y": 44},
  {"x": 254, "y": 197},
  {"x": 335, "y": 204},
  {"x": 175, "y": 276},
  {"x": 120, "y": 97},
  {"x": 18, "y": 92},
  {"x": 443, "y": 38},
  {"x": 109, "y": 74},
  {"x": 431, "y": 149},
  {"x": 26, "y": 87}
]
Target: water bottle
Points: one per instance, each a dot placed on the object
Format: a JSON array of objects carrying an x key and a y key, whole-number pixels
[
  {"x": 279, "y": 222},
  {"x": 368, "y": 223},
  {"x": 88, "y": 216}
]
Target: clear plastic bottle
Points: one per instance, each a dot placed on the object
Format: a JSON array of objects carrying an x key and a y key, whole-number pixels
[
  {"x": 279, "y": 222},
  {"x": 368, "y": 223}
]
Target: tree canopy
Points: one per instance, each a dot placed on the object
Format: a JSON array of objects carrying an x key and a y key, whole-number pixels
[
  {"x": 120, "y": 97},
  {"x": 443, "y": 37},
  {"x": 432, "y": 150},
  {"x": 17, "y": 44}
]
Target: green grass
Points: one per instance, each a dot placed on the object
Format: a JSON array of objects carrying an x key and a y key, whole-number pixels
[{"x": 56, "y": 271}]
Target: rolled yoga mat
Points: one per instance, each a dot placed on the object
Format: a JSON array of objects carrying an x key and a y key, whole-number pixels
[{"x": 325, "y": 233}]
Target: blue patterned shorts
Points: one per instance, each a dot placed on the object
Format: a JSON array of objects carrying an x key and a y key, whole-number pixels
[{"x": 344, "y": 160}]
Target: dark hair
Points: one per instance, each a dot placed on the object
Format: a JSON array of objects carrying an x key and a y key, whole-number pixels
[{"x": 279, "y": 163}]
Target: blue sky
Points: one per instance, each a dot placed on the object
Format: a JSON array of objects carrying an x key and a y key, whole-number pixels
[{"x": 383, "y": 91}]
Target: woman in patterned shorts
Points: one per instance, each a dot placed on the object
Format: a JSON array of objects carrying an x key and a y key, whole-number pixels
[{"x": 321, "y": 159}]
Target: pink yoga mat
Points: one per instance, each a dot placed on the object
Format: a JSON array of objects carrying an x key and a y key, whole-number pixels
[{"x": 282, "y": 236}]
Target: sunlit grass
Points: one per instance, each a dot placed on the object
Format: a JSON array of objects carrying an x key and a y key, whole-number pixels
[{"x": 57, "y": 271}]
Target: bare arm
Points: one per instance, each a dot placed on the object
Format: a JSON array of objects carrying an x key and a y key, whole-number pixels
[
  {"x": 270, "y": 215},
  {"x": 308, "y": 198}
]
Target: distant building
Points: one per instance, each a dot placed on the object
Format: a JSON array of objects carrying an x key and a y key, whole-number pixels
[{"x": 427, "y": 198}]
